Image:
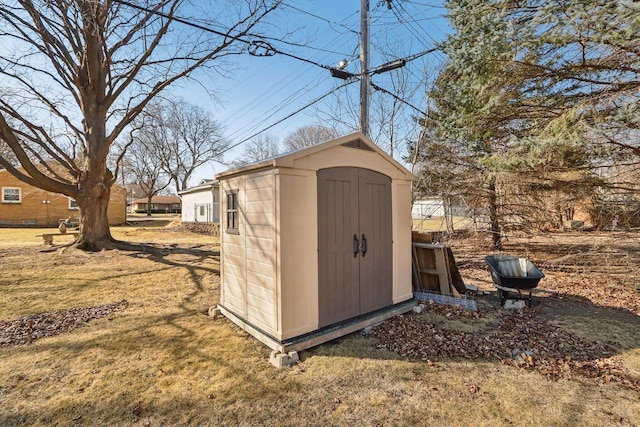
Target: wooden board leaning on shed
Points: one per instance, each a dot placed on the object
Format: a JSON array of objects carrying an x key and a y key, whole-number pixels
[{"x": 435, "y": 270}]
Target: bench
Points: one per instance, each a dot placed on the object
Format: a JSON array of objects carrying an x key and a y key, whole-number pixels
[{"x": 47, "y": 238}]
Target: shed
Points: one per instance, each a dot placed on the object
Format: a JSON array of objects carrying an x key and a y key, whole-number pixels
[{"x": 316, "y": 243}]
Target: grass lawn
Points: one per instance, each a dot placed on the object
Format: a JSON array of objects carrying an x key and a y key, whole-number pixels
[{"x": 162, "y": 361}]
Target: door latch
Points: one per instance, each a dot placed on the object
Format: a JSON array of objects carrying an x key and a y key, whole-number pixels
[
  {"x": 356, "y": 245},
  {"x": 363, "y": 245}
]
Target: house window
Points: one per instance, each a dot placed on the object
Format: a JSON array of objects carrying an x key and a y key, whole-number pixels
[
  {"x": 201, "y": 210},
  {"x": 11, "y": 195},
  {"x": 73, "y": 205},
  {"x": 232, "y": 212}
]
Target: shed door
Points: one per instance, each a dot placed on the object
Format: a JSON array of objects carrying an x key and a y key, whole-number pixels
[{"x": 354, "y": 278}]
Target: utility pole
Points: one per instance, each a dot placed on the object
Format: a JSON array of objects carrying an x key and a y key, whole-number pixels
[
  {"x": 365, "y": 78},
  {"x": 365, "y": 71}
]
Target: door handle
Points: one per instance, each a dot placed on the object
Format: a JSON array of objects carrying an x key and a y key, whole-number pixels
[
  {"x": 363, "y": 245},
  {"x": 356, "y": 245}
]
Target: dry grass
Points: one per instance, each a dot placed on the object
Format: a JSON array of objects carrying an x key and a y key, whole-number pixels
[{"x": 162, "y": 361}]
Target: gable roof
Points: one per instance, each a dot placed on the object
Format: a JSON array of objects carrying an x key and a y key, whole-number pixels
[
  {"x": 205, "y": 185},
  {"x": 356, "y": 140}
]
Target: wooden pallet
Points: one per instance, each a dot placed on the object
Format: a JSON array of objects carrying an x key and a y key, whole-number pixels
[{"x": 434, "y": 270}]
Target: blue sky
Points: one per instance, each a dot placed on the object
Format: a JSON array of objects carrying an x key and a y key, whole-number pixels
[{"x": 263, "y": 90}]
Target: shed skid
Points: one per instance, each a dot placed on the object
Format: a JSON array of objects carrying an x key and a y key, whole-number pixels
[{"x": 323, "y": 335}]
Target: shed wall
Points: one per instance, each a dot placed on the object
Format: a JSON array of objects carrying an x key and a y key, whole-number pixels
[
  {"x": 401, "y": 200},
  {"x": 249, "y": 257},
  {"x": 298, "y": 244}
]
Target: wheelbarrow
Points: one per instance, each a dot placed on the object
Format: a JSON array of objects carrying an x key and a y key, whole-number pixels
[{"x": 511, "y": 275}]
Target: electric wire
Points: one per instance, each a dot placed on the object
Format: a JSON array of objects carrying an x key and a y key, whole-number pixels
[
  {"x": 328, "y": 21},
  {"x": 260, "y": 44},
  {"x": 266, "y": 49},
  {"x": 287, "y": 80},
  {"x": 409, "y": 23},
  {"x": 302, "y": 71},
  {"x": 393, "y": 95},
  {"x": 309, "y": 104},
  {"x": 288, "y": 101},
  {"x": 269, "y": 50}
]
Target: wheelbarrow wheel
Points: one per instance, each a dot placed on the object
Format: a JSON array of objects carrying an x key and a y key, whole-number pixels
[{"x": 503, "y": 297}]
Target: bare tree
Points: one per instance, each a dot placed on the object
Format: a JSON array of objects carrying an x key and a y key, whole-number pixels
[
  {"x": 6, "y": 153},
  {"x": 307, "y": 136},
  {"x": 143, "y": 173},
  {"x": 183, "y": 138},
  {"x": 263, "y": 146},
  {"x": 89, "y": 68}
]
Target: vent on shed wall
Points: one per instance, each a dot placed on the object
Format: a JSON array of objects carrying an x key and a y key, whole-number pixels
[{"x": 357, "y": 144}]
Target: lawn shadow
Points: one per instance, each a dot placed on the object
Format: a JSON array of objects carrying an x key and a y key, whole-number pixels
[{"x": 198, "y": 254}]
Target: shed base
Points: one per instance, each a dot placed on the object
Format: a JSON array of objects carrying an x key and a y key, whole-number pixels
[{"x": 323, "y": 335}]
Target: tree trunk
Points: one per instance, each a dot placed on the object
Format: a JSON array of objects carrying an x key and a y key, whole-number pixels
[
  {"x": 94, "y": 224},
  {"x": 496, "y": 235},
  {"x": 448, "y": 214},
  {"x": 149, "y": 197}
]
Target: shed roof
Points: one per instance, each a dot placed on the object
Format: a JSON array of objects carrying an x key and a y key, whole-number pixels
[{"x": 354, "y": 140}]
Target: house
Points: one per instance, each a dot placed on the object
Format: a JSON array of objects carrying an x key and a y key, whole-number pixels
[
  {"x": 159, "y": 204},
  {"x": 201, "y": 207},
  {"x": 201, "y": 203},
  {"x": 24, "y": 205},
  {"x": 427, "y": 208},
  {"x": 316, "y": 244}
]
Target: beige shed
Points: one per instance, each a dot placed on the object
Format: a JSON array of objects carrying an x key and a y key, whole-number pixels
[{"x": 316, "y": 244}]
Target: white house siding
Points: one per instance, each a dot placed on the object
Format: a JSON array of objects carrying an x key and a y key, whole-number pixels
[
  {"x": 201, "y": 206},
  {"x": 427, "y": 208}
]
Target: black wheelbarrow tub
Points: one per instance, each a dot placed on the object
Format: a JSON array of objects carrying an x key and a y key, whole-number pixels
[{"x": 513, "y": 272}]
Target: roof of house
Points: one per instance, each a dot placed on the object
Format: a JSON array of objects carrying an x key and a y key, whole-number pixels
[
  {"x": 354, "y": 140},
  {"x": 205, "y": 185},
  {"x": 159, "y": 199}
]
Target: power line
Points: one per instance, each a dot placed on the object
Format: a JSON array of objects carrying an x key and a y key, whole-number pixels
[
  {"x": 261, "y": 47},
  {"x": 286, "y": 80},
  {"x": 381, "y": 89},
  {"x": 284, "y": 103},
  {"x": 409, "y": 24},
  {"x": 320, "y": 98},
  {"x": 328, "y": 21},
  {"x": 256, "y": 47}
]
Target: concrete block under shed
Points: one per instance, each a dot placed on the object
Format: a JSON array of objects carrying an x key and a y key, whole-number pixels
[{"x": 280, "y": 360}]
